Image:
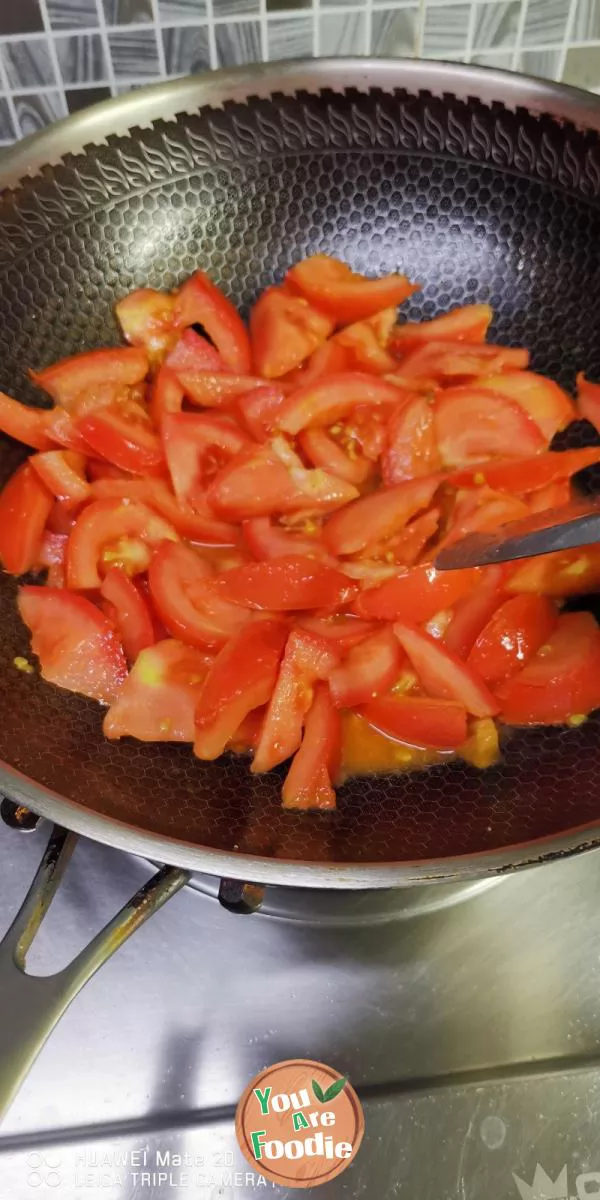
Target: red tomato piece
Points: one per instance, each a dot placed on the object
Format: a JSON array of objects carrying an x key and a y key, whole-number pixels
[
  {"x": 192, "y": 352},
  {"x": 541, "y": 398},
  {"x": 259, "y": 410},
  {"x": 27, "y": 425},
  {"x": 25, "y": 505},
  {"x": 345, "y": 631},
  {"x": 200, "y": 302},
  {"x": 241, "y": 678},
  {"x": 200, "y": 526},
  {"x": 284, "y": 330},
  {"x": 63, "y": 472},
  {"x": 62, "y": 431},
  {"x": 512, "y": 636},
  {"x": 588, "y": 401},
  {"x": 124, "y": 437},
  {"x": 63, "y": 516},
  {"x": 330, "y": 359},
  {"x": 418, "y": 720},
  {"x": 467, "y": 324},
  {"x": 374, "y": 518},
  {"x": 563, "y": 573},
  {"x": 443, "y": 674},
  {"x": 308, "y": 784},
  {"x": 129, "y": 612},
  {"x": 266, "y": 539},
  {"x": 404, "y": 549},
  {"x": 197, "y": 446},
  {"x": 332, "y": 398},
  {"x": 158, "y": 700},
  {"x": 146, "y": 318},
  {"x": 344, "y": 294},
  {"x": 286, "y": 584},
  {"x": 209, "y": 389},
  {"x": 188, "y": 604},
  {"x": 526, "y": 475},
  {"x": 306, "y": 659},
  {"x": 555, "y": 495},
  {"x": 480, "y": 513},
  {"x": 166, "y": 395},
  {"x": 102, "y": 527},
  {"x": 472, "y": 423},
  {"x": 76, "y": 645},
  {"x": 260, "y": 484},
  {"x": 561, "y": 681},
  {"x": 451, "y": 362},
  {"x": 473, "y": 611},
  {"x": 415, "y": 594},
  {"x": 84, "y": 374},
  {"x": 368, "y": 669},
  {"x": 411, "y": 448},
  {"x": 366, "y": 342},
  {"x": 322, "y": 450}
]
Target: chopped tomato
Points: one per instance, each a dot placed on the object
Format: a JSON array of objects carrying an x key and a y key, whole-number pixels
[
  {"x": 411, "y": 448},
  {"x": 199, "y": 525},
  {"x": 541, "y": 398},
  {"x": 62, "y": 431},
  {"x": 76, "y": 645},
  {"x": 323, "y": 450},
  {"x": 419, "y": 720},
  {"x": 366, "y": 342},
  {"x": 284, "y": 330},
  {"x": 157, "y": 701},
  {"x": 369, "y": 668},
  {"x": 529, "y": 474},
  {"x": 146, "y": 318},
  {"x": 561, "y": 681},
  {"x": 472, "y": 423},
  {"x": 308, "y": 784},
  {"x": 127, "y": 608},
  {"x": 245, "y": 738},
  {"x": 472, "y": 612},
  {"x": 562, "y": 573},
  {"x": 52, "y": 556},
  {"x": 124, "y": 437},
  {"x": 307, "y": 658},
  {"x": 555, "y": 495},
  {"x": 101, "y": 533},
  {"x": 443, "y": 674},
  {"x": 241, "y": 678},
  {"x": 197, "y": 446},
  {"x": 25, "y": 424},
  {"x": 83, "y": 374},
  {"x": 266, "y": 539},
  {"x": 330, "y": 359},
  {"x": 416, "y": 594},
  {"x": 512, "y": 636},
  {"x": 259, "y": 410},
  {"x": 192, "y": 352},
  {"x": 372, "y": 519},
  {"x": 285, "y": 584},
  {"x": 260, "y": 484},
  {"x": 406, "y": 547},
  {"x": 467, "y": 324},
  {"x": 63, "y": 472},
  {"x": 346, "y": 631},
  {"x": 588, "y": 401},
  {"x": 332, "y": 398},
  {"x": 209, "y": 389},
  {"x": 342, "y": 293},
  {"x": 188, "y": 604},
  {"x": 62, "y": 516},
  {"x": 481, "y": 512},
  {"x": 452, "y": 362},
  {"x": 200, "y": 302},
  {"x": 166, "y": 395},
  {"x": 25, "y": 505}
]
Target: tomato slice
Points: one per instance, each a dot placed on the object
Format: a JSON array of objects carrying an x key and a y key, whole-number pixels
[
  {"x": 157, "y": 701},
  {"x": 25, "y": 505},
  {"x": 467, "y": 324},
  {"x": 128, "y": 610},
  {"x": 146, "y": 318},
  {"x": 123, "y": 436},
  {"x": 563, "y": 573},
  {"x": 512, "y": 636},
  {"x": 526, "y": 475},
  {"x": 330, "y": 359},
  {"x": 403, "y": 549},
  {"x": 197, "y": 446},
  {"x": 415, "y": 594},
  {"x": 330, "y": 399},
  {"x": 322, "y": 450},
  {"x": 290, "y": 583},
  {"x": 284, "y": 330},
  {"x": 166, "y": 395},
  {"x": 472, "y": 423},
  {"x": 265, "y": 539},
  {"x": 555, "y": 495},
  {"x": 76, "y": 645},
  {"x": 344, "y": 294},
  {"x": 411, "y": 448},
  {"x": 472, "y": 612},
  {"x": 95, "y": 370},
  {"x": 541, "y": 398},
  {"x": 344, "y": 631},
  {"x": 241, "y": 678},
  {"x": 366, "y": 342},
  {"x": 192, "y": 352},
  {"x": 443, "y": 674},
  {"x": 369, "y": 668},
  {"x": 481, "y": 512},
  {"x": 63, "y": 472},
  {"x": 27, "y": 425},
  {"x": 260, "y": 484},
  {"x": 200, "y": 526},
  {"x": 374, "y": 518},
  {"x": 418, "y": 720},
  {"x": 259, "y": 410},
  {"x": 103, "y": 526},
  {"x": 200, "y": 302},
  {"x": 455, "y": 362},
  {"x": 209, "y": 389},
  {"x": 186, "y": 600},
  {"x": 62, "y": 431},
  {"x": 307, "y": 658},
  {"x": 561, "y": 681},
  {"x": 308, "y": 784}
]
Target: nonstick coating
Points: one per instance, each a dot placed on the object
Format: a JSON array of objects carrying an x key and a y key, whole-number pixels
[{"x": 479, "y": 202}]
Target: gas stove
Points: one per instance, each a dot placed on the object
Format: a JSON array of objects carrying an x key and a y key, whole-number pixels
[{"x": 467, "y": 1018}]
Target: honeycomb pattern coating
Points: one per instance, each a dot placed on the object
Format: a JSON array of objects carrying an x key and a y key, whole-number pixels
[{"x": 385, "y": 182}]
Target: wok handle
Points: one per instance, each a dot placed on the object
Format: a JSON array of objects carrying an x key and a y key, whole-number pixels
[{"x": 32, "y": 1005}]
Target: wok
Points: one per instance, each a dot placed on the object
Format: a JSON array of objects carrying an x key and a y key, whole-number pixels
[{"x": 482, "y": 185}]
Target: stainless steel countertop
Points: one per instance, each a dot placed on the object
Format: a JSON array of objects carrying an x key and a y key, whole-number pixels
[{"x": 471, "y": 1031}]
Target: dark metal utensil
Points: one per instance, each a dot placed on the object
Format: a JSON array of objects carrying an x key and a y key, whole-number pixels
[{"x": 556, "y": 529}]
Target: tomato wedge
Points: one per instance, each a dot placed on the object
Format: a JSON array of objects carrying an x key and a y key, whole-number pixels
[
  {"x": 124, "y": 437},
  {"x": 369, "y": 668},
  {"x": 200, "y": 302},
  {"x": 197, "y": 446},
  {"x": 416, "y": 594},
  {"x": 103, "y": 526},
  {"x": 345, "y": 631},
  {"x": 63, "y": 472},
  {"x": 210, "y": 389},
  {"x": 472, "y": 423},
  {"x": 418, "y": 720},
  {"x": 411, "y": 448},
  {"x": 541, "y": 398},
  {"x": 259, "y": 410},
  {"x": 76, "y": 645},
  {"x": 27, "y": 425},
  {"x": 563, "y": 573},
  {"x": 186, "y": 600},
  {"x": 512, "y": 636},
  {"x": 366, "y": 342},
  {"x": 241, "y": 678},
  {"x": 373, "y": 519},
  {"x": 290, "y": 583},
  {"x": 473, "y": 611},
  {"x": 25, "y": 505},
  {"x": 200, "y": 525},
  {"x": 166, "y": 395},
  {"x": 467, "y": 324},
  {"x": 322, "y": 450},
  {"x": 443, "y": 674},
  {"x": 192, "y": 352},
  {"x": 332, "y": 398},
  {"x": 260, "y": 484},
  {"x": 95, "y": 370},
  {"x": 157, "y": 702},
  {"x": 526, "y": 474},
  {"x": 307, "y": 658},
  {"x": 456, "y": 362},
  {"x": 284, "y": 330},
  {"x": 128, "y": 610},
  {"x": 336, "y": 289},
  {"x": 265, "y": 539},
  {"x": 561, "y": 681},
  {"x": 146, "y": 318},
  {"x": 308, "y": 784}
]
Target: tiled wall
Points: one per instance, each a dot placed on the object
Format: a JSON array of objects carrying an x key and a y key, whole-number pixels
[{"x": 57, "y": 56}]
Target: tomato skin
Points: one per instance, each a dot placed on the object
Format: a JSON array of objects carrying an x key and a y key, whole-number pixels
[
  {"x": 125, "y": 439},
  {"x": 369, "y": 668},
  {"x": 528, "y": 474},
  {"x": 323, "y": 451},
  {"x": 308, "y": 784},
  {"x": 374, "y": 518},
  {"x": 467, "y": 324},
  {"x": 284, "y": 330},
  {"x": 66, "y": 381},
  {"x": 25, "y": 505},
  {"x": 131, "y": 613},
  {"x": 200, "y": 302},
  {"x": 63, "y": 473},
  {"x": 512, "y": 636},
  {"x": 562, "y": 573},
  {"x": 259, "y": 484},
  {"x": 306, "y": 659},
  {"x": 289, "y": 583},
  {"x": 542, "y": 398},
  {"x": 192, "y": 352},
  {"x": 334, "y": 288},
  {"x": 417, "y": 593},
  {"x": 443, "y": 674},
  {"x": 196, "y": 446},
  {"x": 76, "y": 645},
  {"x": 411, "y": 448},
  {"x": 561, "y": 680},
  {"x": 418, "y": 720},
  {"x": 266, "y": 540},
  {"x": 332, "y": 398},
  {"x": 241, "y": 678},
  {"x": 146, "y": 318},
  {"x": 186, "y": 601},
  {"x": 199, "y": 526},
  {"x": 104, "y": 523},
  {"x": 472, "y": 423},
  {"x": 157, "y": 701},
  {"x": 24, "y": 424}
]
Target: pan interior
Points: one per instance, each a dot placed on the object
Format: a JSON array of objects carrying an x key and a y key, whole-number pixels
[{"x": 476, "y": 202}]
